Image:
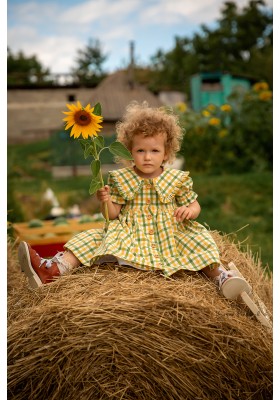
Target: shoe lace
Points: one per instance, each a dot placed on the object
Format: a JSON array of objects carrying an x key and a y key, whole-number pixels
[{"x": 50, "y": 261}]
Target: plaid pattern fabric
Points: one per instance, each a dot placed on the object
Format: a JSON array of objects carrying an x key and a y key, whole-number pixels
[{"x": 146, "y": 234}]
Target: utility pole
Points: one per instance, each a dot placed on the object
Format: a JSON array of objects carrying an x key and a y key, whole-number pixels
[{"x": 131, "y": 80}]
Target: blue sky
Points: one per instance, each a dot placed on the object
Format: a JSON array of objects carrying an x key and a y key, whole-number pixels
[{"x": 54, "y": 30}]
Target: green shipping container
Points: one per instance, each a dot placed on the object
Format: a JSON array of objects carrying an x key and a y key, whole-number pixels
[{"x": 215, "y": 88}]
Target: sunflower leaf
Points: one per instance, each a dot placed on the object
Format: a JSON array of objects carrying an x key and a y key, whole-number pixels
[
  {"x": 99, "y": 140},
  {"x": 95, "y": 168},
  {"x": 94, "y": 186},
  {"x": 88, "y": 150},
  {"x": 83, "y": 143},
  {"x": 97, "y": 109},
  {"x": 118, "y": 149}
]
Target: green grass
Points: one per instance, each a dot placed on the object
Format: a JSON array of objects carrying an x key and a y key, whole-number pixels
[
  {"x": 232, "y": 202},
  {"x": 229, "y": 202}
]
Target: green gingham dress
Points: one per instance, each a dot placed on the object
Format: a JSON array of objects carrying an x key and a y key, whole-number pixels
[{"x": 146, "y": 234}]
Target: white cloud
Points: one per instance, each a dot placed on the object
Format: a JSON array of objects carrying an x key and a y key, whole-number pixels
[
  {"x": 34, "y": 13},
  {"x": 22, "y": 35},
  {"x": 119, "y": 32},
  {"x": 99, "y": 10},
  {"x": 184, "y": 11},
  {"x": 58, "y": 53},
  {"x": 54, "y": 30}
]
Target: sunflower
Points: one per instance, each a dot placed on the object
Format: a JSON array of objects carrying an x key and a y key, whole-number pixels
[
  {"x": 82, "y": 120},
  {"x": 206, "y": 113},
  {"x": 225, "y": 108},
  {"x": 182, "y": 107},
  {"x": 259, "y": 86},
  {"x": 265, "y": 95},
  {"x": 214, "y": 121}
]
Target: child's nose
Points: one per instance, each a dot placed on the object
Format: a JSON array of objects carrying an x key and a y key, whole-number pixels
[{"x": 147, "y": 156}]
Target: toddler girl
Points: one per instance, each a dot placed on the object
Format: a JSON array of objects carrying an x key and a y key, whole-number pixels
[{"x": 152, "y": 211}]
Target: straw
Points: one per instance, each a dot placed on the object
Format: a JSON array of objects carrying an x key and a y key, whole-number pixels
[{"x": 113, "y": 332}]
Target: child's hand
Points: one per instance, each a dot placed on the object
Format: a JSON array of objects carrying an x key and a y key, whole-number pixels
[
  {"x": 103, "y": 194},
  {"x": 184, "y": 212}
]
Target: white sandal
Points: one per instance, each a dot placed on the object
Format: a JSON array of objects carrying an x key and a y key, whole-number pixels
[{"x": 232, "y": 284}]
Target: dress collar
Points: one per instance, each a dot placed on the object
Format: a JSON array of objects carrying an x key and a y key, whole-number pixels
[{"x": 166, "y": 184}]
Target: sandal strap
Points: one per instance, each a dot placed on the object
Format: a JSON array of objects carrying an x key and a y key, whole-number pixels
[{"x": 224, "y": 276}]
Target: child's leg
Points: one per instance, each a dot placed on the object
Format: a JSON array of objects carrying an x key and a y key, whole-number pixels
[
  {"x": 218, "y": 274},
  {"x": 215, "y": 272},
  {"x": 230, "y": 282},
  {"x": 40, "y": 270},
  {"x": 67, "y": 261}
]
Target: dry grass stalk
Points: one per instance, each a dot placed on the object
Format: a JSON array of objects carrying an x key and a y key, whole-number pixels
[{"x": 119, "y": 333}]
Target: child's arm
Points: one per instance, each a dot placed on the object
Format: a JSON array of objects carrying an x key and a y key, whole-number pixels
[
  {"x": 103, "y": 196},
  {"x": 191, "y": 211}
]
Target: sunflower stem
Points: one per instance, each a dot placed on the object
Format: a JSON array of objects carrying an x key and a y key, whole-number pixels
[
  {"x": 96, "y": 156},
  {"x": 101, "y": 151}
]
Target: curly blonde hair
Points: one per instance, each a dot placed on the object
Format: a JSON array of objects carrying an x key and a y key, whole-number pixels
[{"x": 142, "y": 119}]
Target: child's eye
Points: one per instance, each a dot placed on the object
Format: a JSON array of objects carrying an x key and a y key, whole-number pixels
[
  {"x": 155, "y": 150},
  {"x": 139, "y": 151}
]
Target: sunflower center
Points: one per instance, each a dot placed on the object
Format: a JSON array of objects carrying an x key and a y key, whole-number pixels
[{"x": 82, "y": 117}]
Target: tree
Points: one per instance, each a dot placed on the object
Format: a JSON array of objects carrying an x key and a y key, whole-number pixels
[
  {"x": 89, "y": 61},
  {"x": 172, "y": 69},
  {"x": 241, "y": 43},
  {"x": 23, "y": 70},
  {"x": 230, "y": 46}
]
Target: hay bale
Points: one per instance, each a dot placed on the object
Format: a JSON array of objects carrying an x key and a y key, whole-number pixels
[{"x": 119, "y": 333}]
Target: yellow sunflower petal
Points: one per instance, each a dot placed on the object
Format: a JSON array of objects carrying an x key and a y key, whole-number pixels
[
  {"x": 77, "y": 135},
  {"x": 72, "y": 107},
  {"x": 69, "y": 119},
  {"x": 77, "y": 130},
  {"x": 84, "y": 134},
  {"x": 68, "y": 126},
  {"x": 68, "y": 112},
  {"x": 90, "y": 131},
  {"x": 95, "y": 126},
  {"x": 85, "y": 127},
  {"x": 98, "y": 118},
  {"x": 89, "y": 109}
]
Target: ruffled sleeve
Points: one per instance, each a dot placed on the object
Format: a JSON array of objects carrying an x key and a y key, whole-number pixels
[
  {"x": 176, "y": 184},
  {"x": 116, "y": 197},
  {"x": 185, "y": 194},
  {"x": 124, "y": 185}
]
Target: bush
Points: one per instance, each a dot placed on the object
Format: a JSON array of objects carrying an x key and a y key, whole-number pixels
[{"x": 236, "y": 137}]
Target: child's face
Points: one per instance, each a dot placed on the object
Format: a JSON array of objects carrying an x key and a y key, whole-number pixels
[{"x": 148, "y": 153}]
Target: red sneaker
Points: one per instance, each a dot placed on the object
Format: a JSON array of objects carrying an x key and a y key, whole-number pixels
[{"x": 38, "y": 270}]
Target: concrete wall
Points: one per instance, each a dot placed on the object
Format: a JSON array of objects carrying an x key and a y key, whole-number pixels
[{"x": 33, "y": 114}]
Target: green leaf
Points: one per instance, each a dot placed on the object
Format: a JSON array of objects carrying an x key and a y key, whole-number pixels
[
  {"x": 94, "y": 186},
  {"x": 97, "y": 109},
  {"x": 99, "y": 140},
  {"x": 83, "y": 145},
  {"x": 118, "y": 149},
  {"x": 95, "y": 168},
  {"x": 88, "y": 151}
]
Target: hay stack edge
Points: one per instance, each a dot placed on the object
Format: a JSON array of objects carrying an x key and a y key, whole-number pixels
[{"x": 119, "y": 333}]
